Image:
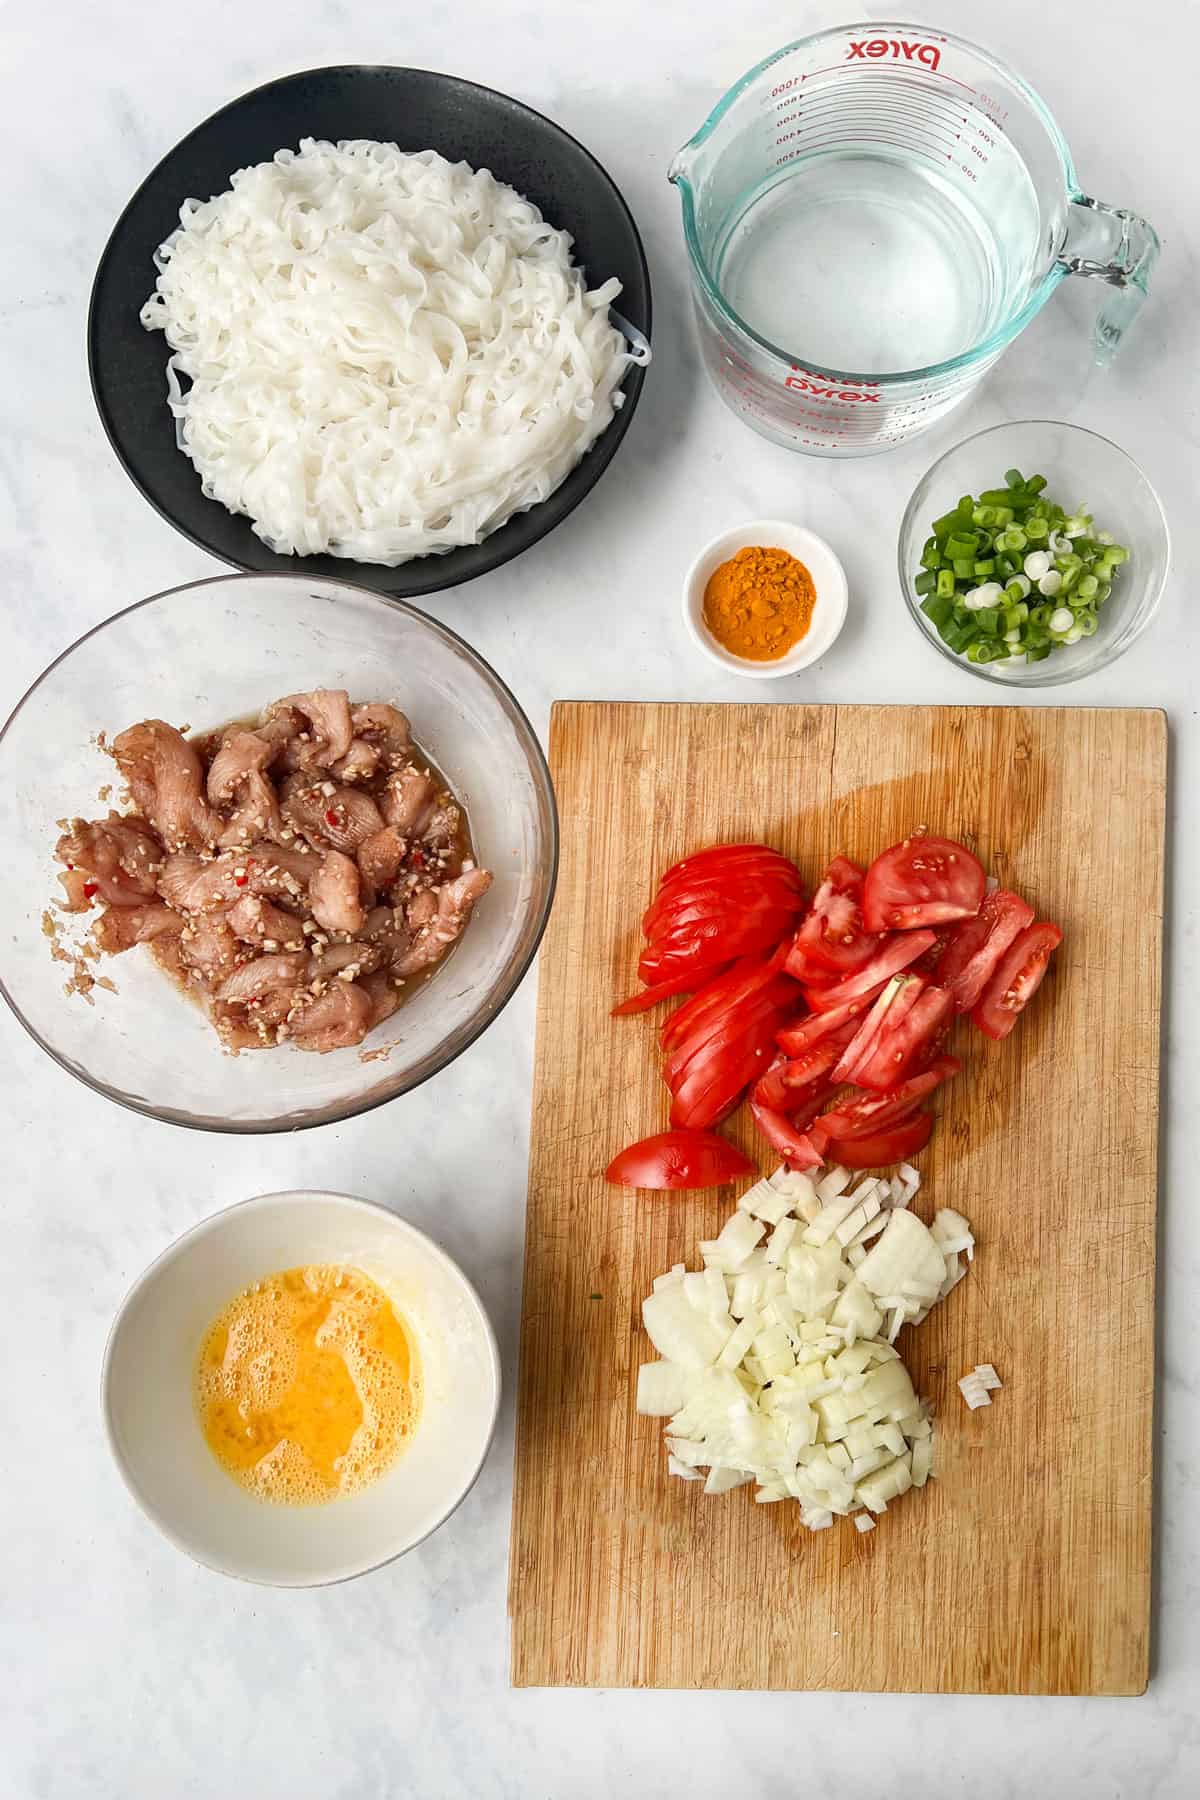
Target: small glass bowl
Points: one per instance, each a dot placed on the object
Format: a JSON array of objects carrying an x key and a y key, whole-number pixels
[
  {"x": 200, "y": 656},
  {"x": 1081, "y": 468}
]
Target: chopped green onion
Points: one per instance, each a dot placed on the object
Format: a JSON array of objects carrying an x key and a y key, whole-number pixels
[{"x": 995, "y": 553}]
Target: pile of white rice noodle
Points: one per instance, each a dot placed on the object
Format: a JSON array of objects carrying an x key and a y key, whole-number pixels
[{"x": 379, "y": 354}]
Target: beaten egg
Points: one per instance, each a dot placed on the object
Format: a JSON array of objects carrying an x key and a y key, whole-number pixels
[{"x": 307, "y": 1385}]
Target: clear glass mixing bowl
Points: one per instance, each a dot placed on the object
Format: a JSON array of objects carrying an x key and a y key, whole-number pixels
[
  {"x": 201, "y": 655},
  {"x": 1081, "y": 468}
]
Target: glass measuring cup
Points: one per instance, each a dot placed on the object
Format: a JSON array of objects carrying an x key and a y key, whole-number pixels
[{"x": 872, "y": 215}]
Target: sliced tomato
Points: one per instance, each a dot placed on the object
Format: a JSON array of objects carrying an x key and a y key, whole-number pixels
[
  {"x": 832, "y": 938},
  {"x": 793, "y": 1145},
  {"x": 677, "y": 906},
  {"x": 816, "y": 1061},
  {"x": 717, "y": 992},
  {"x": 801, "y": 1034},
  {"x": 711, "y": 942},
  {"x": 878, "y": 1149},
  {"x": 679, "y": 1159},
  {"x": 770, "y": 1090},
  {"x": 776, "y": 1089},
  {"x": 662, "y": 990},
  {"x": 866, "y": 1113},
  {"x": 1016, "y": 980},
  {"x": 727, "y": 1025},
  {"x": 895, "y": 954},
  {"x": 922, "y": 881},
  {"x": 975, "y": 946},
  {"x": 714, "y": 1083},
  {"x": 903, "y": 1042},
  {"x": 722, "y": 858},
  {"x": 886, "y": 1015}
]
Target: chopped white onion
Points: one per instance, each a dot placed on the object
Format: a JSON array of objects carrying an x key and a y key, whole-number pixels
[{"x": 775, "y": 1371}]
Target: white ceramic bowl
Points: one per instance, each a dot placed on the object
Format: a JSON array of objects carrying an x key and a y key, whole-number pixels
[
  {"x": 829, "y": 580},
  {"x": 154, "y": 1432}
]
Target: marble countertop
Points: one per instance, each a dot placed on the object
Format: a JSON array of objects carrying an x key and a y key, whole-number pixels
[{"x": 129, "y": 1673}]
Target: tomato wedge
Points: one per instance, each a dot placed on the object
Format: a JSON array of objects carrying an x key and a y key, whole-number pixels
[
  {"x": 880, "y": 1148},
  {"x": 975, "y": 946},
  {"x": 832, "y": 940},
  {"x": 1016, "y": 980},
  {"x": 816, "y": 1060},
  {"x": 886, "y": 1015},
  {"x": 922, "y": 881},
  {"x": 896, "y": 954},
  {"x": 662, "y": 990},
  {"x": 678, "y": 1159},
  {"x": 792, "y": 1098},
  {"x": 903, "y": 1045},
  {"x": 796, "y": 1149},
  {"x": 906, "y": 1020},
  {"x": 868, "y": 1113},
  {"x": 802, "y": 1034}
]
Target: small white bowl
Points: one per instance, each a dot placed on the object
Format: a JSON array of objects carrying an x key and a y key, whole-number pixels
[
  {"x": 150, "y": 1413},
  {"x": 829, "y": 580}
]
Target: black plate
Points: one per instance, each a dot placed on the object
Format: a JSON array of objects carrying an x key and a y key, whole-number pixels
[{"x": 419, "y": 110}]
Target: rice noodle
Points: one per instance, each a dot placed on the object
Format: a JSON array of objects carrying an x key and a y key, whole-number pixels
[{"x": 378, "y": 354}]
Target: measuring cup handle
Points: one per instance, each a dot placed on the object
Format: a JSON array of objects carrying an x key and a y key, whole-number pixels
[{"x": 1117, "y": 247}]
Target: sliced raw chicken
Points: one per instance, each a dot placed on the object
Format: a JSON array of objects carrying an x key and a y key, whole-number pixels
[
  {"x": 362, "y": 959},
  {"x": 257, "y": 922},
  {"x": 339, "y": 1017},
  {"x": 166, "y": 780},
  {"x": 263, "y": 976},
  {"x": 408, "y": 799},
  {"x": 256, "y": 859},
  {"x": 241, "y": 755},
  {"x": 359, "y": 763},
  {"x": 335, "y": 894},
  {"x": 120, "y": 854},
  {"x": 327, "y": 711},
  {"x": 383, "y": 725},
  {"x": 380, "y": 857},
  {"x": 343, "y": 818},
  {"x": 209, "y": 951},
  {"x": 421, "y": 909},
  {"x": 384, "y": 995},
  {"x": 121, "y": 927},
  {"x": 454, "y": 903},
  {"x": 237, "y": 772}
]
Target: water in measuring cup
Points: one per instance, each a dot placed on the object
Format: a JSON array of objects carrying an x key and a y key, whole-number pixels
[{"x": 875, "y": 263}]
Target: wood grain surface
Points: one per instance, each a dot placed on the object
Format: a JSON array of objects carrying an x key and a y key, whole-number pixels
[{"x": 1025, "y": 1568}]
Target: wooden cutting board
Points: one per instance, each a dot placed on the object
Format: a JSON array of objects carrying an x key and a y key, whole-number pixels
[{"x": 1025, "y": 1568}]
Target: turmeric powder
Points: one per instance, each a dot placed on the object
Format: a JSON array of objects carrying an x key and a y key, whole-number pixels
[{"x": 759, "y": 603}]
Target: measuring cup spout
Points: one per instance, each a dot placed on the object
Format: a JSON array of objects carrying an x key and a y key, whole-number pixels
[
  {"x": 681, "y": 166},
  {"x": 1119, "y": 248}
]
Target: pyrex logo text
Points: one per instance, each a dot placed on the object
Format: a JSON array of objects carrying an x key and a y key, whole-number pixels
[
  {"x": 929, "y": 54},
  {"x": 807, "y": 383}
]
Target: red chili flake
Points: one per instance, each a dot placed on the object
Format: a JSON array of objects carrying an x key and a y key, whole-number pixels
[
  {"x": 90, "y": 888},
  {"x": 254, "y": 1000},
  {"x": 331, "y": 818},
  {"x": 239, "y": 881},
  {"x": 417, "y": 859},
  {"x": 70, "y": 865}
]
